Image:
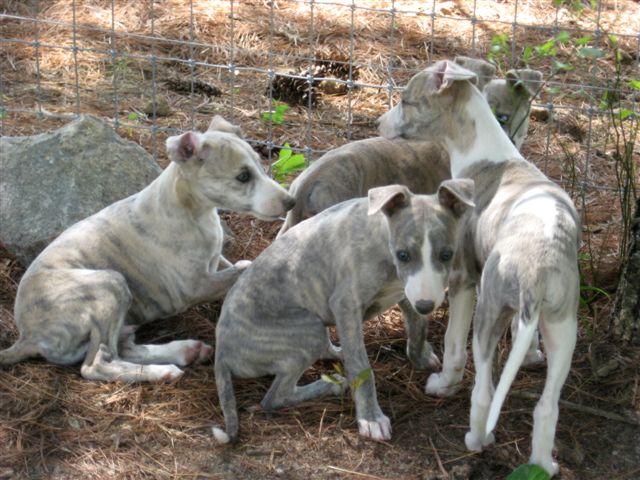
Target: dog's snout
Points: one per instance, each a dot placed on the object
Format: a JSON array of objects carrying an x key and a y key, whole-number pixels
[
  {"x": 424, "y": 306},
  {"x": 289, "y": 202}
]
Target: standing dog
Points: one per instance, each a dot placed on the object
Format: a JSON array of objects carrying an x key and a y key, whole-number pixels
[
  {"x": 337, "y": 268},
  {"x": 148, "y": 256},
  {"x": 519, "y": 245}
]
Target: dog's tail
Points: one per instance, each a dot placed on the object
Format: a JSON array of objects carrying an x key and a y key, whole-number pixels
[
  {"x": 227, "y": 400},
  {"x": 17, "y": 352},
  {"x": 529, "y": 317}
]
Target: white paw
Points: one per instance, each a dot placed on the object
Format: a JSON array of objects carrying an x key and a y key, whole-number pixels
[
  {"x": 167, "y": 373},
  {"x": 548, "y": 464},
  {"x": 196, "y": 352},
  {"x": 378, "y": 429},
  {"x": 242, "y": 264},
  {"x": 438, "y": 385},
  {"x": 533, "y": 358},
  {"x": 475, "y": 444}
]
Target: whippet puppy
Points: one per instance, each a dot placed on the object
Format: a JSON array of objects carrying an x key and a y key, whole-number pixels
[
  {"x": 519, "y": 245},
  {"x": 148, "y": 256},
  {"x": 344, "y": 265}
]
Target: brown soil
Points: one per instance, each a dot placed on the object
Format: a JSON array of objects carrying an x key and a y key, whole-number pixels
[{"x": 54, "y": 424}]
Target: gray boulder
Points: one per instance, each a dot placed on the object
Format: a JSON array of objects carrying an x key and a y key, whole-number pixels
[{"x": 51, "y": 181}]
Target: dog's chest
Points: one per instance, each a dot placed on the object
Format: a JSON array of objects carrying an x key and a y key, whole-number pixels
[{"x": 390, "y": 294}]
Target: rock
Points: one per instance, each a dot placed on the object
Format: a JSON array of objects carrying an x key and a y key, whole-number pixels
[{"x": 52, "y": 180}]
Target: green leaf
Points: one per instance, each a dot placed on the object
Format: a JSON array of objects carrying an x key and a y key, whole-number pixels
[
  {"x": 635, "y": 84},
  {"x": 590, "y": 52},
  {"x": 338, "y": 368},
  {"x": 329, "y": 379},
  {"x": 133, "y": 116},
  {"x": 529, "y": 472},
  {"x": 557, "y": 3},
  {"x": 562, "y": 67},
  {"x": 582, "y": 41},
  {"x": 563, "y": 37},
  {"x": 361, "y": 378},
  {"x": 527, "y": 53},
  {"x": 613, "y": 39}
]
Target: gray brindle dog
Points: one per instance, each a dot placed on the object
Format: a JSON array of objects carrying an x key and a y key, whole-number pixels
[
  {"x": 519, "y": 245},
  {"x": 148, "y": 256},
  {"x": 342, "y": 266}
]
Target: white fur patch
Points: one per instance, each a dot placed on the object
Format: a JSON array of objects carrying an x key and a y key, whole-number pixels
[
  {"x": 537, "y": 203},
  {"x": 220, "y": 435},
  {"x": 427, "y": 283}
]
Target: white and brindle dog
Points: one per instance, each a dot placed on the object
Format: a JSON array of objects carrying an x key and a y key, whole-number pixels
[
  {"x": 519, "y": 245},
  {"x": 148, "y": 256},
  {"x": 341, "y": 267}
]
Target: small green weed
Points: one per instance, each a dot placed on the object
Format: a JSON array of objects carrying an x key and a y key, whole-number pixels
[
  {"x": 277, "y": 114},
  {"x": 287, "y": 163},
  {"x": 529, "y": 472}
]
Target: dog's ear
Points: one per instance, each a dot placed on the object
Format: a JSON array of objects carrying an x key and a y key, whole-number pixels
[
  {"x": 181, "y": 148},
  {"x": 485, "y": 70},
  {"x": 389, "y": 199},
  {"x": 221, "y": 125},
  {"x": 457, "y": 195},
  {"x": 524, "y": 81},
  {"x": 445, "y": 73}
]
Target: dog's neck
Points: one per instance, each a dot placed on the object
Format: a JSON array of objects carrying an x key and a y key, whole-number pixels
[
  {"x": 171, "y": 192},
  {"x": 489, "y": 143}
]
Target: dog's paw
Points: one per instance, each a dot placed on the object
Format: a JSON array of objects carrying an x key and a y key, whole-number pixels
[
  {"x": 168, "y": 373},
  {"x": 196, "y": 352},
  {"x": 533, "y": 358},
  {"x": 242, "y": 264},
  {"x": 378, "y": 429},
  {"x": 475, "y": 444},
  {"x": 424, "y": 360},
  {"x": 438, "y": 385}
]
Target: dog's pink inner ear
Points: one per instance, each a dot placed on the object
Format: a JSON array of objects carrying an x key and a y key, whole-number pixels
[{"x": 187, "y": 146}]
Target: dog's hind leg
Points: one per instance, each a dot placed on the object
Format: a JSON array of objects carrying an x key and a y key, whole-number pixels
[
  {"x": 559, "y": 337},
  {"x": 489, "y": 324},
  {"x": 178, "y": 352},
  {"x": 419, "y": 350}
]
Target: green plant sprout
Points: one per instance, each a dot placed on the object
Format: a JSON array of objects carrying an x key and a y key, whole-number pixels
[
  {"x": 287, "y": 163},
  {"x": 529, "y": 472},
  {"x": 276, "y": 115}
]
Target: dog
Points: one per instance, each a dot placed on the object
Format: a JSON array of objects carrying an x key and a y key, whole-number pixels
[
  {"x": 344, "y": 265},
  {"x": 148, "y": 256},
  {"x": 519, "y": 245}
]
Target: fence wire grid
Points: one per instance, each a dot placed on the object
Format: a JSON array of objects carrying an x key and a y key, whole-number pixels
[{"x": 156, "y": 68}]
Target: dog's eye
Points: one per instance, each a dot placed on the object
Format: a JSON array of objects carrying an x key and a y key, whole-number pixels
[
  {"x": 503, "y": 119},
  {"x": 244, "y": 176},
  {"x": 403, "y": 256},
  {"x": 446, "y": 254}
]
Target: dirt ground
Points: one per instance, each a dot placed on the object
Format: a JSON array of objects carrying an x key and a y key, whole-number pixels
[{"x": 54, "y": 424}]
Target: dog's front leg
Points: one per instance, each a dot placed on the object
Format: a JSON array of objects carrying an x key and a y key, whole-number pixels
[
  {"x": 419, "y": 350},
  {"x": 461, "y": 296},
  {"x": 216, "y": 286},
  {"x": 372, "y": 423}
]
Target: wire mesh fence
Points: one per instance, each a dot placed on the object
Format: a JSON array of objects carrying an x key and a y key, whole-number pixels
[{"x": 154, "y": 68}]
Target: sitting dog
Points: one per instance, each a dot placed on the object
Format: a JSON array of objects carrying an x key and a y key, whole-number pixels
[
  {"x": 337, "y": 268},
  {"x": 148, "y": 256},
  {"x": 519, "y": 245}
]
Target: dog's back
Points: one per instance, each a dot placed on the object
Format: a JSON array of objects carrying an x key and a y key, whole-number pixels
[{"x": 352, "y": 169}]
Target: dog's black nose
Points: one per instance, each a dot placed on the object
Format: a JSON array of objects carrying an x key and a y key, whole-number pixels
[
  {"x": 424, "y": 306},
  {"x": 289, "y": 203}
]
